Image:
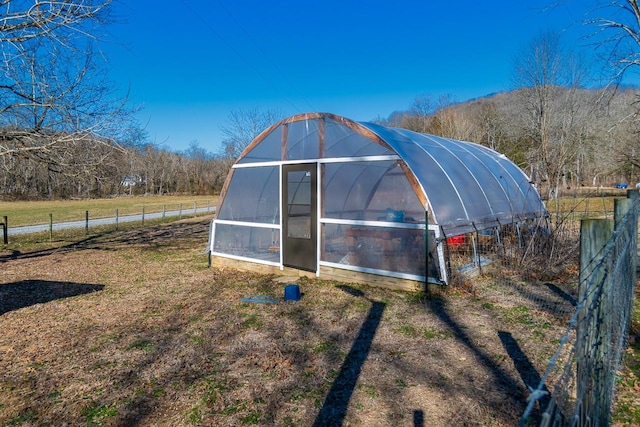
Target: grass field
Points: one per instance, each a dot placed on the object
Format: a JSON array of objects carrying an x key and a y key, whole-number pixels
[
  {"x": 130, "y": 327},
  {"x": 585, "y": 205},
  {"x": 21, "y": 213}
]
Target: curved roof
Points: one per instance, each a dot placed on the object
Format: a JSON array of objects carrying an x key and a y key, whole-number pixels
[
  {"x": 464, "y": 186},
  {"x": 465, "y": 183}
]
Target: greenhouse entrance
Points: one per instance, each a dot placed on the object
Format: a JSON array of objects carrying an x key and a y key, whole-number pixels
[{"x": 299, "y": 225}]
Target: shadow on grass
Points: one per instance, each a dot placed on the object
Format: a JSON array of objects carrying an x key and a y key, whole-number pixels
[
  {"x": 335, "y": 405},
  {"x": 25, "y": 293},
  {"x": 528, "y": 373},
  {"x": 80, "y": 244},
  {"x": 562, "y": 294},
  {"x": 418, "y": 418},
  {"x": 503, "y": 379},
  {"x": 150, "y": 236}
]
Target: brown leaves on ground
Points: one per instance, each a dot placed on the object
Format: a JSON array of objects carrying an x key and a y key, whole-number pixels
[{"x": 132, "y": 328}]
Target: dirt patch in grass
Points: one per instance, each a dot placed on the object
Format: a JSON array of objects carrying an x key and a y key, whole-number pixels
[{"x": 132, "y": 328}]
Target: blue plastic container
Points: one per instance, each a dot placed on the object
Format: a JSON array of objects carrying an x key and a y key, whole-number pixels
[{"x": 292, "y": 293}]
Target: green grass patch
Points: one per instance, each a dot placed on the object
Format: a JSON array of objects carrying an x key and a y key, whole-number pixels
[
  {"x": 97, "y": 414},
  {"x": 253, "y": 418},
  {"x": 22, "y": 419},
  {"x": 322, "y": 347},
  {"x": 521, "y": 315},
  {"x": 215, "y": 400},
  {"x": 37, "y": 212},
  {"x": 434, "y": 333},
  {"x": 54, "y": 394},
  {"x": 144, "y": 345},
  {"x": 369, "y": 390},
  {"x": 408, "y": 330},
  {"x": 194, "y": 416},
  {"x": 197, "y": 339},
  {"x": 426, "y": 332},
  {"x": 251, "y": 320}
]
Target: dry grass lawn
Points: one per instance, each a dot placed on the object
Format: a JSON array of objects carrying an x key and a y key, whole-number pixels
[{"x": 131, "y": 328}]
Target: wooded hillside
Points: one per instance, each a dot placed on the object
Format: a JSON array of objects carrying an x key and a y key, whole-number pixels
[{"x": 563, "y": 139}]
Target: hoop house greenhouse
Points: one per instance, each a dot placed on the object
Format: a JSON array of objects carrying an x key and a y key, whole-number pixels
[{"x": 322, "y": 195}]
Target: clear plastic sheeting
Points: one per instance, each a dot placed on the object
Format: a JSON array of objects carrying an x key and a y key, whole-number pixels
[
  {"x": 375, "y": 248},
  {"x": 302, "y": 140},
  {"x": 370, "y": 191},
  {"x": 342, "y": 141},
  {"x": 469, "y": 186},
  {"x": 261, "y": 244},
  {"x": 268, "y": 150},
  {"x": 253, "y": 196}
]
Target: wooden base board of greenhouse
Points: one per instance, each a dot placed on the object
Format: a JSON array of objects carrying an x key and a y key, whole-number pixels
[{"x": 327, "y": 273}]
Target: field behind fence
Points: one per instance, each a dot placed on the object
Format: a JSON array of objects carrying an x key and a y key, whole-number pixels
[{"x": 40, "y": 216}]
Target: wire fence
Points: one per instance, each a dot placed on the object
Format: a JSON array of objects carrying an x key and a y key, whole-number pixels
[
  {"x": 597, "y": 331},
  {"x": 90, "y": 222},
  {"x": 568, "y": 284}
]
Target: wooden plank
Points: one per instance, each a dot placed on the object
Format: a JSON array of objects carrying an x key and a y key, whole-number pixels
[
  {"x": 326, "y": 273},
  {"x": 413, "y": 182},
  {"x": 332, "y": 273},
  {"x": 223, "y": 192},
  {"x": 321, "y": 138},
  {"x": 285, "y": 142}
]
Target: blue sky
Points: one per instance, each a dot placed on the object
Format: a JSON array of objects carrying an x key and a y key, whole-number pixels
[{"x": 189, "y": 63}]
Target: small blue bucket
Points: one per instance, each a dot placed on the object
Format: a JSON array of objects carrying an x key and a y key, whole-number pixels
[{"x": 292, "y": 293}]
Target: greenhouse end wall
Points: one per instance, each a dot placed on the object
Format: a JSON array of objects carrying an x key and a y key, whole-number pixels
[{"x": 370, "y": 219}]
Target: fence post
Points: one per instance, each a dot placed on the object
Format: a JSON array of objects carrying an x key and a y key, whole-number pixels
[
  {"x": 620, "y": 209},
  {"x": 195, "y": 208},
  {"x": 51, "y": 227},
  {"x": 5, "y": 230},
  {"x": 143, "y": 215},
  {"x": 180, "y": 212},
  {"x": 117, "y": 216},
  {"x": 164, "y": 211},
  {"x": 593, "y": 288},
  {"x": 86, "y": 222},
  {"x": 634, "y": 196}
]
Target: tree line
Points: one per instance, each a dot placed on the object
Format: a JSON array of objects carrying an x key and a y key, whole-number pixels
[
  {"x": 65, "y": 132},
  {"x": 587, "y": 137},
  {"x": 144, "y": 169}
]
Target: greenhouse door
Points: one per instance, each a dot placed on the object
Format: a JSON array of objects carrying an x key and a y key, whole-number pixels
[{"x": 300, "y": 219}]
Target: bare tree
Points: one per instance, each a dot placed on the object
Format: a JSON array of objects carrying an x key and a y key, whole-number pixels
[
  {"x": 548, "y": 77},
  {"x": 617, "y": 40},
  {"x": 420, "y": 114},
  {"x": 491, "y": 126},
  {"x": 54, "y": 92},
  {"x": 242, "y": 127},
  {"x": 617, "y": 35},
  {"x": 451, "y": 121}
]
